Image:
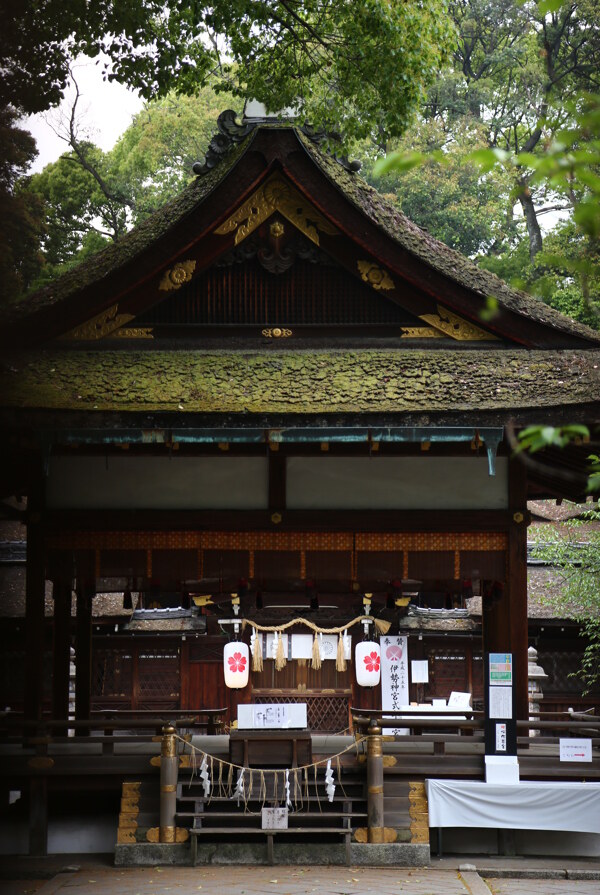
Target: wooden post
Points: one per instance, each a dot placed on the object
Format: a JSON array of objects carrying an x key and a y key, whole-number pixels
[
  {"x": 61, "y": 658},
  {"x": 35, "y": 592},
  {"x": 505, "y": 622},
  {"x": 83, "y": 654},
  {"x": 375, "y": 817},
  {"x": 169, "y": 767}
]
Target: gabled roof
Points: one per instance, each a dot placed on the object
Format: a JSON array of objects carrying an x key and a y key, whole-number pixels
[{"x": 126, "y": 277}]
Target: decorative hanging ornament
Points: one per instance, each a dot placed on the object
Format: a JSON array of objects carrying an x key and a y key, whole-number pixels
[
  {"x": 236, "y": 664},
  {"x": 329, "y": 784},
  {"x": 367, "y": 658},
  {"x": 205, "y": 777}
]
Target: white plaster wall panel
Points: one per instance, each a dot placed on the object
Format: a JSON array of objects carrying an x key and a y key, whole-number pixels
[
  {"x": 385, "y": 483},
  {"x": 158, "y": 483}
]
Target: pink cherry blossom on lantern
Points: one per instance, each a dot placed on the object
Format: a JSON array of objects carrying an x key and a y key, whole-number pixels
[
  {"x": 372, "y": 661},
  {"x": 237, "y": 662}
]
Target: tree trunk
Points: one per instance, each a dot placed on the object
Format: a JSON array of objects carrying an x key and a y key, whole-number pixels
[{"x": 531, "y": 221}]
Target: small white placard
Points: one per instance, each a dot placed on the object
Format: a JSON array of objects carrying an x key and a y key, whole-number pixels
[
  {"x": 419, "y": 671},
  {"x": 575, "y": 750},
  {"x": 274, "y": 818},
  {"x": 500, "y": 702},
  {"x": 302, "y": 646},
  {"x": 274, "y": 716}
]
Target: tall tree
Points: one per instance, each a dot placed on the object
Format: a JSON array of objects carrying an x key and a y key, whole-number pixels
[{"x": 334, "y": 61}]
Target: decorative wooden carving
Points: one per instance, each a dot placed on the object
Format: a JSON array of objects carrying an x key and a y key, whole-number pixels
[
  {"x": 99, "y": 326},
  {"x": 456, "y": 327},
  {"x": 134, "y": 332},
  {"x": 373, "y": 275},
  {"x": 276, "y": 195},
  {"x": 421, "y": 332},
  {"x": 175, "y": 277}
]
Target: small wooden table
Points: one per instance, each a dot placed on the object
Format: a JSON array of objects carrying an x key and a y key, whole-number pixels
[{"x": 269, "y": 748}]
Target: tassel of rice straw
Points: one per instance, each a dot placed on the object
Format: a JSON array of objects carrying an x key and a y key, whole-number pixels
[
  {"x": 257, "y": 658},
  {"x": 229, "y": 781},
  {"x": 382, "y": 626},
  {"x": 280, "y": 659},
  {"x": 316, "y": 653},
  {"x": 340, "y": 659}
]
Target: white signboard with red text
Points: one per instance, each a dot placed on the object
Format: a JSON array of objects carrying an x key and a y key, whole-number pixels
[{"x": 394, "y": 677}]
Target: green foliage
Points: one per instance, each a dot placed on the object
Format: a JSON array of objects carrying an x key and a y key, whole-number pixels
[
  {"x": 574, "y": 552},
  {"x": 21, "y": 217},
  {"x": 334, "y": 61},
  {"x": 440, "y": 189}
]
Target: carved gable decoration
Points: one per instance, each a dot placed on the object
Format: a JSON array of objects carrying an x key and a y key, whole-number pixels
[{"x": 276, "y": 195}]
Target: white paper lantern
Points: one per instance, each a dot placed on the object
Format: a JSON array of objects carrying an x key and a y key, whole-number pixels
[
  {"x": 367, "y": 658},
  {"x": 236, "y": 664}
]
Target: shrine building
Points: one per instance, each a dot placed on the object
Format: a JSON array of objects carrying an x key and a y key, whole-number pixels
[{"x": 277, "y": 398}]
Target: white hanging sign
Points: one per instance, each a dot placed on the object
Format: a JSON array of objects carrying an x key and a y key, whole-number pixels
[
  {"x": 394, "y": 677},
  {"x": 419, "y": 671}
]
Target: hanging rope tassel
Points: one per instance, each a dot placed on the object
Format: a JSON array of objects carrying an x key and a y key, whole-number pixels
[
  {"x": 340, "y": 659},
  {"x": 316, "y": 653},
  {"x": 280, "y": 659},
  {"x": 257, "y": 658}
]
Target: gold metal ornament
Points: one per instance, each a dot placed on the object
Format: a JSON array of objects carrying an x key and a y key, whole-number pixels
[
  {"x": 374, "y": 276},
  {"x": 99, "y": 326},
  {"x": 276, "y": 195},
  {"x": 276, "y": 229},
  {"x": 175, "y": 277},
  {"x": 456, "y": 327},
  {"x": 277, "y": 333}
]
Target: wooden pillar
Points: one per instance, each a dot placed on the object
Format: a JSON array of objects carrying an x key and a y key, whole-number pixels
[
  {"x": 61, "y": 655},
  {"x": 517, "y": 581},
  {"x": 35, "y": 591},
  {"x": 375, "y": 817},
  {"x": 169, "y": 767},
  {"x": 505, "y": 621},
  {"x": 83, "y": 635}
]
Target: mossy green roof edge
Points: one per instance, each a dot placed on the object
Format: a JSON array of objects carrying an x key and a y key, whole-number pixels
[
  {"x": 309, "y": 382},
  {"x": 437, "y": 254}
]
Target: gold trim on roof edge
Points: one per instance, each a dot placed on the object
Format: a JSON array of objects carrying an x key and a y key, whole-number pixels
[
  {"x": 99, "y": 326},
  {"x": 276, "y": 195},
  {"x": 457, "y": 327},
  {"x": 421, "y": 332}
]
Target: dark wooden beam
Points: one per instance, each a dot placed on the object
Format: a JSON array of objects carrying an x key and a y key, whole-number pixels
[
  {"x": 78, "y": 521},
  {"x": 38, "y": 816}
]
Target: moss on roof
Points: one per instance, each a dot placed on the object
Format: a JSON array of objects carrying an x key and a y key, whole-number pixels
[
  {"x": 382, "y": 212},
  {"x": 436, "y": 253},
  {"x": 128, "y": 246},
  {"x": 329, "y": 381}
]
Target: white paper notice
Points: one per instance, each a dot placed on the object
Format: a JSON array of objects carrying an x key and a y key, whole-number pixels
[
  {"x": 274, "y": 818},
  {"x": 500, "y": 737},
  {"x": 419, "y": 671},
  {"x": 575, "y": 750},
  {"x": 500, "y": 702},
  {"x": 302, "y": 645}
]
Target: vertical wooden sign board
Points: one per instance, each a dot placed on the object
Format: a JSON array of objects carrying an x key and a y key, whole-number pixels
[{"x": 500, "y": 711}]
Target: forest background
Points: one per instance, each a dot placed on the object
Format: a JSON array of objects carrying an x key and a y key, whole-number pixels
[{"x": 487, "y": 111}]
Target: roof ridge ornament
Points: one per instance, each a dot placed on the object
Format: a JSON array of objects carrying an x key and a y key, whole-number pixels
[{"x": 230, "y": 133}]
